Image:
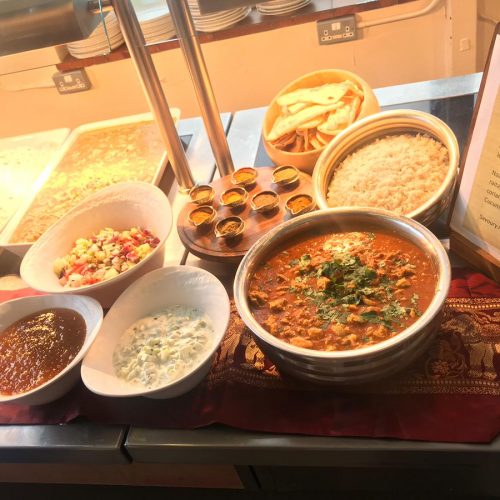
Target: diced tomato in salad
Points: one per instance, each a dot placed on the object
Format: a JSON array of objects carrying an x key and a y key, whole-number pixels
[{"x": 104, "y": 255}]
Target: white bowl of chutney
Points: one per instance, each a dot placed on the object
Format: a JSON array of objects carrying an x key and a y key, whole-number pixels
[{"x": 49, "y": 342}]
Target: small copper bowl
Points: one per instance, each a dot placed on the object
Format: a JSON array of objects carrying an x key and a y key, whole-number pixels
[
  {"x": 300, "y": 204},
  {"x": 230, "y": 227},
  {"x": 202, "y": 195},
  {"x": 265, "y": 201},
  {"x": 244, "y": 176},
  {"x": 202, "y": 216},
  {"x": 234, "y": 197},
  {"x": 287, "y": 174}
]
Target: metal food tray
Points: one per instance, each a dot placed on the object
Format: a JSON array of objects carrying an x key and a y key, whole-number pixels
[
  {"x": 9, "y": 229},
  {"x": 51, "y": 140}
]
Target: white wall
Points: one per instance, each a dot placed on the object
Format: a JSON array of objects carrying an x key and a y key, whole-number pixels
[
  {"x": 488, "y": 15},
  {"x": 247, "y": 71}
]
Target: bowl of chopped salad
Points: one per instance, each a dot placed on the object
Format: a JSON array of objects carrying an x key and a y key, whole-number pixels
[{"x": 101, "y": 246}]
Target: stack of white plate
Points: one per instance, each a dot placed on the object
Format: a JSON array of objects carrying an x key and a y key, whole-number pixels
[
  {"x": 155, "y": 21},
  {"x": 97, "y": 43},
  {"x": 218, "y": 20},
  {"x": 277, "y": 7}
]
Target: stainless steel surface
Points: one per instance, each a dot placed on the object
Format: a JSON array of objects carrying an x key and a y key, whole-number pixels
[
  {"x": 360, "y": 365},
  {"x": 193, "y": 55},
  {"x": 245, "y": 135},
  {"x": 225, "y": 445},
  {"x": 199, "y": 153},
  {"x": 443, "y": 88},
  {"x": 29, "y": 24},
  {"x": 76, "y": 443},
  {"x": 378, "y": 125},
  {"x": 143, "y": 62}
]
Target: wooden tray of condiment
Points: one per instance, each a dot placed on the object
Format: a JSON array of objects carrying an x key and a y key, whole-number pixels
[{"x": 202, "y": 242}]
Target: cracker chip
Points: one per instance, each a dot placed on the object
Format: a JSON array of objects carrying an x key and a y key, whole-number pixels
[
  {"x": 356, "y": 104},
  {"x": 294, "y": 108},
  {"x": 298, "y": 145},
  {"x": 322, "y": 137},
  {"x": 324, "y": 95},
  {"x": 311, "y": 117},
  {"x": 284, "y": 141},
  {"x": 285, "y": 124},
  {"x": 314, "y": 141},
  {"x": 313, "y": 123}
]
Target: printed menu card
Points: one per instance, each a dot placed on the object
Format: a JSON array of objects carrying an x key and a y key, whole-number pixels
[{"x": 475, "y": 220}]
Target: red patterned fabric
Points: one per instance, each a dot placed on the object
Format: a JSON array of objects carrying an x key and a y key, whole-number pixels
[
  {"x": 6, "y": 295},
  {"x": 451, "y": 394}
]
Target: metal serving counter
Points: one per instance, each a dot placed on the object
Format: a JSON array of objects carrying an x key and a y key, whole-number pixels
[{"x": 269, "y": 460}]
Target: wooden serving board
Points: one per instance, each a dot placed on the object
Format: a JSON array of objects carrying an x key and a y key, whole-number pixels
[{"x": 202, "y": 241}]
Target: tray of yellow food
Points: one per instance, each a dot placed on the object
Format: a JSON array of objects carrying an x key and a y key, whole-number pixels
[
  {"x": 22, "y": 160},
  {"x": 94, "y": 156}
]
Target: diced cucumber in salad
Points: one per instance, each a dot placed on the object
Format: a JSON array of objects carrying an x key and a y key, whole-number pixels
[{"x": 104, "y": 256}]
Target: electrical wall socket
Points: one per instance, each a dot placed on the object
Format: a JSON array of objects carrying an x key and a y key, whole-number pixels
[
  {"x": 337, "y": 30},
  {"x": 72, "y": 81}
]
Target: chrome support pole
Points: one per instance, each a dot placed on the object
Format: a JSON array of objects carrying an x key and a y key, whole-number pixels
[
  {"x": 144, "y": 65},
  {"x": 95, "y": 6},
  {"x": 193, "y": 55}
]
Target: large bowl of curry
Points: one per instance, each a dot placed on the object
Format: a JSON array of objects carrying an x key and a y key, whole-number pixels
[{"x": 344, "y": 296}]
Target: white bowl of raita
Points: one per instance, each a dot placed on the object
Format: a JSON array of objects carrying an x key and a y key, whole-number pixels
[{"x": 159, "y": 338}]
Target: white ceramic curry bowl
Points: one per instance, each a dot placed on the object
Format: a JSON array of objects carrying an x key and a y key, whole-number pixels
[
  {"x": 88, "y": 308},
  {"x": 176, "y": 285},
  {"x": 120, "y": 207}
]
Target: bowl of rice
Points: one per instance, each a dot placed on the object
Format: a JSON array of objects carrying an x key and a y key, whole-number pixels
[{"x": 404, "y": 161}]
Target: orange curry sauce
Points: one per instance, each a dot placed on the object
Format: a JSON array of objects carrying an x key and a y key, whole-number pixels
[
  {"x": 342, "y": 291},
  {"x": 37, "y": 347}
]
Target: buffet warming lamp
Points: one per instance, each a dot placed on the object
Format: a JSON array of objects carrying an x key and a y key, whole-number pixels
[{"x": 27, "y": 25}]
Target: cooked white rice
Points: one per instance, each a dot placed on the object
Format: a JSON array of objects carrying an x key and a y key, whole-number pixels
[{"x": 397, "y": 172}]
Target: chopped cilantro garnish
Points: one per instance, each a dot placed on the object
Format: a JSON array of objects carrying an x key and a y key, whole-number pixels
[
  {"x": 304, "y": 260},
  {"x": 414, "y": 302},
  {"x": 376, "y": 319}
]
